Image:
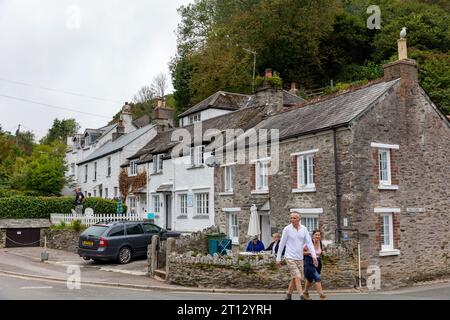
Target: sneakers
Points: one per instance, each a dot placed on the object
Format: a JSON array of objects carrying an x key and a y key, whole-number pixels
[
  {"x": 302, "y": 297},
  {"x": 306, "y": 295},
  {"x": 323, "y": 297},
  {"x": 288, "y": 297}
]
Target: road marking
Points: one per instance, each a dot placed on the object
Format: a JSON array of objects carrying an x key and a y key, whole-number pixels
[{"x": 47, "y": 287}]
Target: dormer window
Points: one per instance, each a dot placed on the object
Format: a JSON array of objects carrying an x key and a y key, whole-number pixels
[{"x": 195, "y": 118}]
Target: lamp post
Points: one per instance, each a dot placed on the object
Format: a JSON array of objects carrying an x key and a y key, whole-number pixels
[{"x": 254, "y": 67}]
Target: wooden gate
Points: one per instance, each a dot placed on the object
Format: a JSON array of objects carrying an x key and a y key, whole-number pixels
[{"x": 28, "y": 237}]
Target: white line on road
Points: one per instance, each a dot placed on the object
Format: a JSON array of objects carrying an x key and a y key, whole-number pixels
[{"x": 25, "y": 288}]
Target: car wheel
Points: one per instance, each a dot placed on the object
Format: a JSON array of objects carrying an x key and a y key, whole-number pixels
[
  {"x": 125, "y": 255},
  {"x": 86, "y": 258}
]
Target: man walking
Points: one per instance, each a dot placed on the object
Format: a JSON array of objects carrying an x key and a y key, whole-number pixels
[
  {"x": 79, "y": 197},
  {"x": 294, "y": 238}
]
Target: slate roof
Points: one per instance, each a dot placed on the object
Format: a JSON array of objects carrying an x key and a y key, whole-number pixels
[
  {"x": 117, "y": 145},
  {"x": 242, "y": 119},
  {"x": 327, "y": 113},
  {"x": 219, "y": 100}
]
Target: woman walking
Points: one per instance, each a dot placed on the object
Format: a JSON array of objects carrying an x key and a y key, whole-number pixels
[{"x": 312, "y": 273}]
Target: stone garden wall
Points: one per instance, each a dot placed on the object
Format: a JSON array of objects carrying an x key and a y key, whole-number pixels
[
  {"x": 2, "y": 238},
  {"x": 340, "y": 270},
  {"x": 66, "y": 240}
]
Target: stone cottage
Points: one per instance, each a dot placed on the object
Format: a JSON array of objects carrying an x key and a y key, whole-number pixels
[{"x": 367, "y": 164}]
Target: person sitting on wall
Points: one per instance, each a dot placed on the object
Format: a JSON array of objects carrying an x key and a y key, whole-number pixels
[
  {"x": 255, "y": 245},
  {"x": 273, "y": 247}
]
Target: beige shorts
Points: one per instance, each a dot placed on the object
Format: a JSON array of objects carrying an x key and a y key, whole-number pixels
[{"x": 295, "y": 268}]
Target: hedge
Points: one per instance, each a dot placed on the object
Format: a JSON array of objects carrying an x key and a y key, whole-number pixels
[{"x": 22, "y": 207}]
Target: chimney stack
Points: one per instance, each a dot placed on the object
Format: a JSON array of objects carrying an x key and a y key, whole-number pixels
[
  {"x": 294, "y": 89},
  {"x": 404, "y": 68},
  {"x": 162, "y": 116},
  {"x": 120, "y": 130}
]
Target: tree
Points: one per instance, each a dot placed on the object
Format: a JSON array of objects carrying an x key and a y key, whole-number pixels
[
  {"x": 160, "y": 84},
  {"x": 143, "y": 95},
  {"x": 45, "y": 169},
  {"x": 60, "y": 130}
]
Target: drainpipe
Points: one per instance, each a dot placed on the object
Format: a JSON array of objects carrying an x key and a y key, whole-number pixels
[{"x": 338, "y": 192}]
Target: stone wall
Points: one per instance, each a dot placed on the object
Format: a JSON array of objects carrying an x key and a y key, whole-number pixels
[
  {"x": 257, "y": 272},
  {"x": 196, "y": 241},
  {"x": 66, "y": 240}
]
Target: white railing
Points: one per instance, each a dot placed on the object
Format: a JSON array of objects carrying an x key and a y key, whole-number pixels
[{"x": 89, "y": 220}]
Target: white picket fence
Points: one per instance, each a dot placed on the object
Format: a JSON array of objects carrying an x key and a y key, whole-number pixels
[{"x": 89, "y": 220}]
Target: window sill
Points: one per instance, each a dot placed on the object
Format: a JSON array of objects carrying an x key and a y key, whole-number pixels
[
  {"x": 226, "y": 193},
  {"x": 132, "y": 175},
  {"x": 195, "y": 167},
  {"x": 156, "y": 173},
  {"x": 387, "y": 187},
  {"x": 260, "y": 192},
  {"x": 201, "y": 217},
  {"x": 236, "y": 243},
  {"x": 387, "y": 253},
  {"x": 182, "y": 217},
  {"x": 304, "y": 189}
]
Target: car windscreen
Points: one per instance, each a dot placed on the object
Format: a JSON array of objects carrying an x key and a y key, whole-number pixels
[{"x": 95, "y": 231}]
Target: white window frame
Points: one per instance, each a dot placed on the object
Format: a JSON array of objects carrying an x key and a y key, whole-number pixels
[
  {"x": 197, "y": 155},
  {"x": 388, "y": 181},
  {"x": 390, "y": 228},
  {"x": 310, "y": 216},
  {"x": 194, "y": 118},
  {"x": 203, "y": 209},
  {"x": 264, "y": 166},
  {"x": 388, "y": 250},
  {"x": 305, "y": 183},
  {"x": 182, "y": 204},
  {"x": 109, "y": 169},
  {"x": 156, "y": 204},
  {"x": 228, "y": 173},
  {"x": 132, "y": 202},
  {"x": 133, "y": 168},
  {"x": 157, "y": 163},
  {"x": 309, "y": 213},
  {"x": 233, "y": 227}
]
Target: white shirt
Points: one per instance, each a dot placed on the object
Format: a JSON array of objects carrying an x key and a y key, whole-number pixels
[{"x": 294, "y": 240}]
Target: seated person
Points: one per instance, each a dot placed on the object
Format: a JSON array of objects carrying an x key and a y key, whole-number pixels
[
  {"x": 273, "y": 247},
  {"x": 255, "y": 245}
]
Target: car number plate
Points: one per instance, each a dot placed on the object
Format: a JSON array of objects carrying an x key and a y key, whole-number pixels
[{"x": 88, "y": 243}]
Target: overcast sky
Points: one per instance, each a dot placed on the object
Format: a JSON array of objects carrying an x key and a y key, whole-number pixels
[{"x": 100, "y": 48}]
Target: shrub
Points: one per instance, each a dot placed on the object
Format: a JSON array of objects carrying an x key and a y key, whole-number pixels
[
  {"x": 76, "y": 225},
  {"x": 22, "y": 207}
]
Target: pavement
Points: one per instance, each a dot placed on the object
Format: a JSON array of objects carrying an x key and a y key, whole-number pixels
[{"x": 26, "y": 263}]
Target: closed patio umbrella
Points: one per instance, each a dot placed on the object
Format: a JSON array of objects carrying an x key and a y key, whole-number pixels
[{"x": 253, "y": 225}]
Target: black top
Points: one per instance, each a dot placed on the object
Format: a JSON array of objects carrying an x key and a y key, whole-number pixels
[{"x": 79, "y": 198}]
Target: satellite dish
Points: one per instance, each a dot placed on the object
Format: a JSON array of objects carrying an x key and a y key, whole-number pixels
[
  {"x": 212, "y": 162},
  {"x": 89, "y": 212}
]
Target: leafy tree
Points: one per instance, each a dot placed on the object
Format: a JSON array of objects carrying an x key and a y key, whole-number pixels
[
  {"x": 60, "y": 130},
  {"x": 44, "y": 170}
]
